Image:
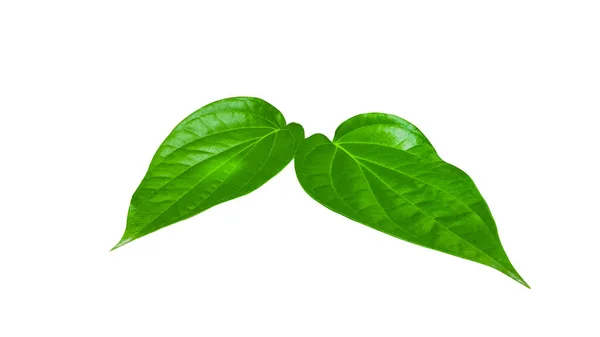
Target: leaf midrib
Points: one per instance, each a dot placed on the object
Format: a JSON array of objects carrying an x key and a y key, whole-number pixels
[
  {"x": 195, "y": 185},
  {"x": 337, "y": 144},
  {"x": 261, "y": 167},
  {"x": 417, "y": 239},
  {"x": 342, "y": 199},
  {"x": 415, "y": 178},
  {"x": 156, "y": 190},
  {"x": 506, "y": 270}
]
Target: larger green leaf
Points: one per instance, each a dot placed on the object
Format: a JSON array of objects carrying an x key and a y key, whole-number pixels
[
  {"x": 381, "y": 171},
  {"x": 222, "y": 151}
]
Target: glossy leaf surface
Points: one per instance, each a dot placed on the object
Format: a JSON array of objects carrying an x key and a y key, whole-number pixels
[
  {"x": 222, "y": 151},
  {"x": 382, "y": 171}
]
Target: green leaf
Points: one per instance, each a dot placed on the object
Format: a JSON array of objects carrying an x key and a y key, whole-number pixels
[
  {"x": 381, "y": 171},
  {"x": 222, "y": 151}
]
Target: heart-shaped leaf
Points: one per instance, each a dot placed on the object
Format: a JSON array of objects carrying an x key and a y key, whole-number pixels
[
  {"x": 381, "y": 171},
  {"x": 222, "y": 151}
]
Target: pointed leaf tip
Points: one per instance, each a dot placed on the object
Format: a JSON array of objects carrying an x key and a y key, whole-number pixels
[
  {"x": 121, "y": 243},
  {"x": 519, "y": 279}
]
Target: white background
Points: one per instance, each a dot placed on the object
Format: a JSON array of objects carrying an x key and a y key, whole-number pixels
[{"x": 506, "y": 90}]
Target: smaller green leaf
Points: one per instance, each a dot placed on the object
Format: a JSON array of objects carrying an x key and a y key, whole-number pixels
[
  {"x": 381, "y": 171},
  {"x": 222, "y": 151}
]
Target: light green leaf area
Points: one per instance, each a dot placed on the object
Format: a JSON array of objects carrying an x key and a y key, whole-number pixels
[
  {"x": 381, "y": 171},
  {"x": 222, "y": 151}
]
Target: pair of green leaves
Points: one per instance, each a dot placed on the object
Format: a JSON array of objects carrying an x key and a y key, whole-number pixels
[{"x": 379, "y": 170}]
